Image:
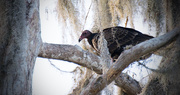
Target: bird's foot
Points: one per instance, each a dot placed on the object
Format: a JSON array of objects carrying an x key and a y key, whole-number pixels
[{"x": 128, "y": 47}]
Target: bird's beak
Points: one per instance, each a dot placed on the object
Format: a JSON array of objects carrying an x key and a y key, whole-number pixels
[{"x": 79, "y": 39}]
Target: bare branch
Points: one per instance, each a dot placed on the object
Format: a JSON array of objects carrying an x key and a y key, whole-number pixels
[
  {"x": 59, "y": 68},
  {"x": 77, "y": 55},
  {"x": 123, "y": 61},
  {"x": 154, "y": 70},
  {"x": 128, "y": 84},
  {"x": 73, "y": 54}
]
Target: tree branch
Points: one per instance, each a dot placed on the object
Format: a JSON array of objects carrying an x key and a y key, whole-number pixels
[
  {"x": 128, "y": 84},
  {"x": 77, "y": 55},
  {"x": 73, "y": 54},
  {"x": 123, "y": 61}
]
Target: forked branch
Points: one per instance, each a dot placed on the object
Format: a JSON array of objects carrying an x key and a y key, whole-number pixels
[
  {"x": 77, "y": 55},
  {"x": 123, "y": 61}
]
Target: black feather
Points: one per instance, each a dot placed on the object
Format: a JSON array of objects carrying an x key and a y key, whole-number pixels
[{"x": 117, "y": 39}]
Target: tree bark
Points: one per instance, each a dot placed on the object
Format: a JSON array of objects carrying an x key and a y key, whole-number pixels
[
  {"x": 123, "y": 61},
  {"x": 73, "y": 54},
  {"x": 78, "y": 56},
  {"x": 19, "y": 45},
  {"x": 167, "y": 81},
  {"x": 128, "y": 84}
]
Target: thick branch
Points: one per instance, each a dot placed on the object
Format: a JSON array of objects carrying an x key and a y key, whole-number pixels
[
  {"x": 123, "y": 61},
  {"x": 77, "y": 55},
  {"x": 128, "y": 84},
  {"x": 73, "y": 54}
]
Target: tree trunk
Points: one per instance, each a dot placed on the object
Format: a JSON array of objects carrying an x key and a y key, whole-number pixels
[
  {"x": 19, "y": 45},
  {"x": 167, "y": 81},
  {"x": 123, "y": 61}
]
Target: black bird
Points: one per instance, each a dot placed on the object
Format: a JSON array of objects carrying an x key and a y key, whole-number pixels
[{"x": 118, "y": 38}]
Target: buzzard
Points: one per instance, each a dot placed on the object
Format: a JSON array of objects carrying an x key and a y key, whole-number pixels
[{"x": 118, "y": 38}]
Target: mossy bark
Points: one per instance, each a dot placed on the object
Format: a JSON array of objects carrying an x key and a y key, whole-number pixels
[{"x": 19, "y": 45}]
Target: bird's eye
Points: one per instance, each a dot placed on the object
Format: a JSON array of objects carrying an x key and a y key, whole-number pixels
[{"x": 84, "y": 33}]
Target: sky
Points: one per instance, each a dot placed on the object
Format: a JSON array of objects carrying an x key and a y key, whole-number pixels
[{"x": 47, "y": 80}]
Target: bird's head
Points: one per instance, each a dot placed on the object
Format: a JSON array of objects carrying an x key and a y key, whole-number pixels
[{"x": 85, "y": 34}]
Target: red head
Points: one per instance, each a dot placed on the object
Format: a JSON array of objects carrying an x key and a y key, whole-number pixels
[{"x": 85, "y": 34}]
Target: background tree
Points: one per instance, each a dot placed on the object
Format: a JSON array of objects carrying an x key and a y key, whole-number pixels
[
  {"x": 21, "y": 42},
  {"x": 159, "y": 16},
  {"x": 19, "y": 45}
]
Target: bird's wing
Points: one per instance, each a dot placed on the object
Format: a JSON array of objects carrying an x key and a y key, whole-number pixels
[
  {"x": 118, "y": 36},
  {"x": 95, "y": 42}
]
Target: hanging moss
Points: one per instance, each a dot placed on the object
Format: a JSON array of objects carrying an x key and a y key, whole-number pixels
[{"x": 121, "y": 10}]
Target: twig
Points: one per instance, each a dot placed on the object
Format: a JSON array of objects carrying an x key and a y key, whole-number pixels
[
  {"x": 126, "y": 21},
  {"x": 154, "y": 70},
  {"x": 58, "y": 68},
  {"x": 87, "y": 16}
]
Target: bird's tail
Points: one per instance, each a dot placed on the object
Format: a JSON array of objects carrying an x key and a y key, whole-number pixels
[{"x": 143, "y": 37}]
